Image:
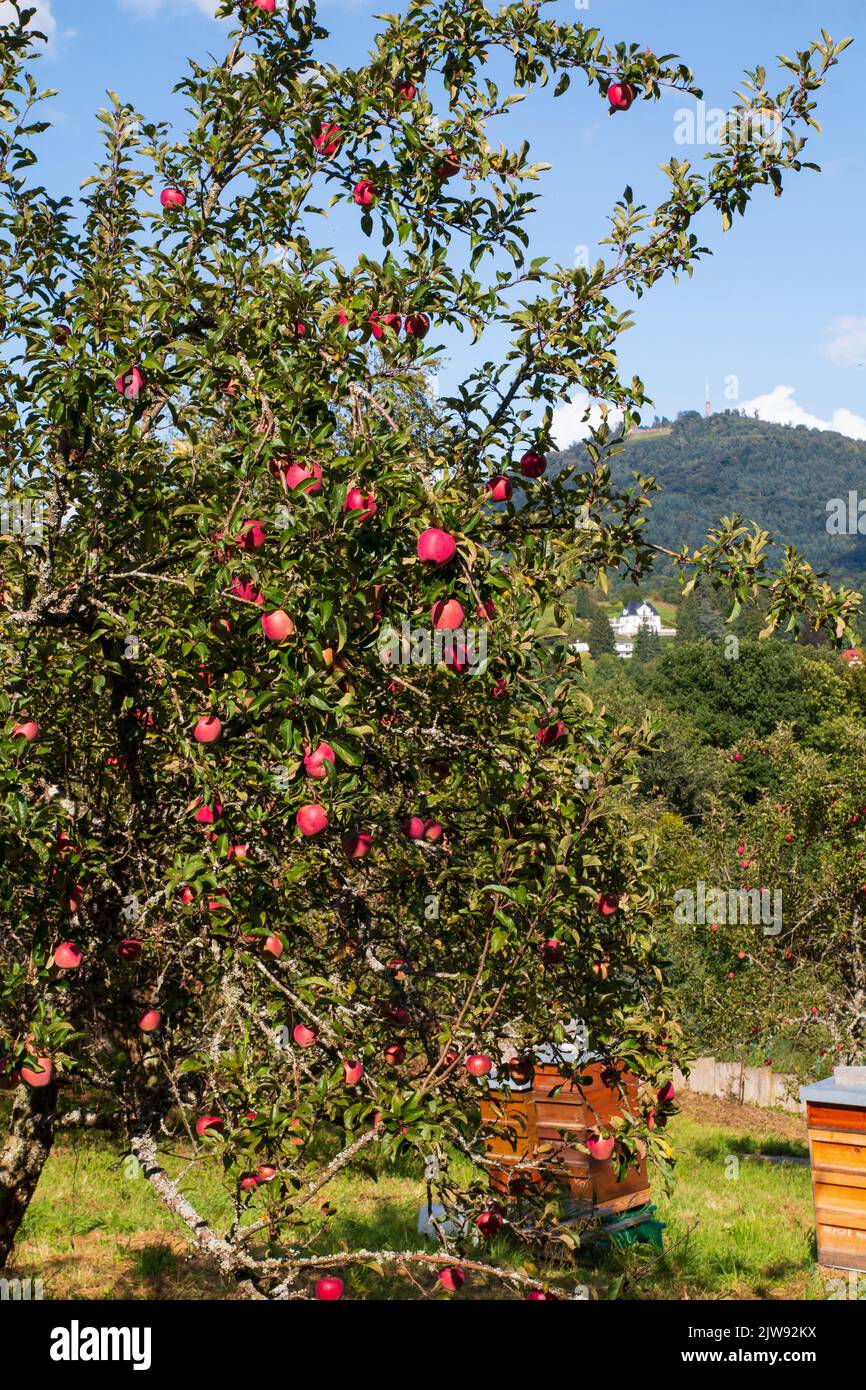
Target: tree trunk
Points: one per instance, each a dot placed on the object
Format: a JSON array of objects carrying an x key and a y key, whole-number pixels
[{"x": 22, "y": 1158}]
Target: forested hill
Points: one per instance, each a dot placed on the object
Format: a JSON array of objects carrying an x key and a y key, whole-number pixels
[{"x": 779, "y": 476}]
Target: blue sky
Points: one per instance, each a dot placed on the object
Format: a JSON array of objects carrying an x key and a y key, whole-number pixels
[{"x": 774, "y": 321}]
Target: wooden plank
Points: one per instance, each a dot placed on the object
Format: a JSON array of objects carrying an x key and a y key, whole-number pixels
[
  {"x": 837, "y": 1215},
  {"x": 850, "y": 1156},
  {"x": 839, "y": 1192},
  {"x": 835, "y": 1136},
  {"x": 836, "y": 1117},
  {"x": 839, "y": 1174}
]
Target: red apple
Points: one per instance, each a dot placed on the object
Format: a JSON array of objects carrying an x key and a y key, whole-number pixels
[
  {"x": 536, "y": 1296},
  {"x": 131, "y": 384},
  {"x": 150, "y": 1021},
  {"x": 68, "y": 956},
  {"x": 207, "y": 1122},
  {"x": 620, "y": 95},
  {"x": 363, "y": 193},
  {"x": 600, "y": 1149},
  {"x": 447, "y": 615},
  {"x": 355, "y": 846},
  {"x": 452, "y": 1278},
  {"x": 447, "y": 166},
  {"x": 172, "y": 198},
  {"x": 330, "y": 1289},
  {"x": 29, "y": 730},
  {"x": 666, "y": 1093},
  {"x": 489, "y": 1222},
  {"x": 267, "y": 6},
  {"x": 314, "y": 763},
  {"x": 207, "y": 815},
  {"x": 129, "y": 949},
  {"x": 550, "y": 733},
  {"x": 273, "y": 947},
  {"x": 76, "y": 897},
  {"x": 277, "y": 626},
  {"x": 266, "y": 1172},
  {"x": 394, "y": 1054},
  {"x": 420, "y": 828},
  {"x": 499, "y": 488},
  {"x": 478, "y": 1064},
  {"x": 292, "y": 475},
  {"x": 352, "y": 1072},
  {"x": 249, "y": 1182},
  {"x": 208, "y": 729},
  {"x": 304, "y": 1036},
  {"x": 532, "y": 465},
  {"x": 327, "y": 142},
  {"x": 363, "y": 504},
  {"x": 551, "y": 951},
  {"x": 312, "y": 820},
  {"x": 40, "y": 1075},
  {"x": 187, "y": 895},
  {"x": 406, "y": 91},
  {"x": 238, "y": 852},
  {"x": 246, "y": 592},
  {"x": 435, "y": 547},
  {"x": 417, "y": 325},
  {"x": 606, "y": 904},
  {"x": 252, "y": 535}
]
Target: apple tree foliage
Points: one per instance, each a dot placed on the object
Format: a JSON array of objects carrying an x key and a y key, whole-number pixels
[{"x": 208, "y": 415}]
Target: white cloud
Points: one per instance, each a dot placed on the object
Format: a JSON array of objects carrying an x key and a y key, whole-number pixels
[
  {"x": 43, "y": 21},
  {"x": 846, "y": 341},
  {"x": 780, "y": 408},
  {"x": 573, "y": 421}
]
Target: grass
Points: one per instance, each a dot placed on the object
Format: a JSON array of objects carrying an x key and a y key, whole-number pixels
[{"x": 736, "y": 1228}]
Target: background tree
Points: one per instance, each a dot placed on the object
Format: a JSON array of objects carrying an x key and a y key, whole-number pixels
[
  {"x": 263, "y": 888},
  {"x": 601, "y": 638}
]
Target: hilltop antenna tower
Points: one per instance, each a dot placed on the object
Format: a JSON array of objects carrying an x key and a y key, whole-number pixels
[{"x": 708, "y": 409}]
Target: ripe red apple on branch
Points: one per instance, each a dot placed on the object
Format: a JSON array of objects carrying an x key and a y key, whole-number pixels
[
  {"x": 435, "y": 547},
  {"x": 620, "y": 96},
  {"x": 172, "y": 198},
  {"x": 42, "y": 1074},
  {"x": 498, "y": 488},
  {"x": 277, "y": 626},
  {"x": 330, "y": 1289},
  {"x": 68, "y": 956},
  {"x": 28, "y": 730},
  {"x": 312, "y": 820},
  {"x": 447, "y": 615},
  {"x": 314, "y": 762}
]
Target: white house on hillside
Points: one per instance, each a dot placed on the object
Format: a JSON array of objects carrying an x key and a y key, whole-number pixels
[{"x": 635, "y": 615}]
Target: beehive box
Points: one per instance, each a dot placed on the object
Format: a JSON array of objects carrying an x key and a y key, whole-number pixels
[
  {"x": 534, "y": 1130},
  {"x": 836, "y": 1118}
]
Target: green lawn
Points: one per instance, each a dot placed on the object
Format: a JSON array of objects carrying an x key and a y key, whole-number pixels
[{"x": 95, "y": 1230}]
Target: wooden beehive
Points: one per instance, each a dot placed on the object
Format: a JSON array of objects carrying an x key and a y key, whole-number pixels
[
  {"x": 836, "y": 1118},
  {"x": 533, "y": 1132}
]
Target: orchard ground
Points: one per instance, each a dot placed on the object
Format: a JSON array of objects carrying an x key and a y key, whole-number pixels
[{"x": 93, "y": 1232}]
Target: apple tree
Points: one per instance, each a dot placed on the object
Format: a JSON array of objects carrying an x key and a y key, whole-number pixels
[{"x": 308, "y": 820}]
